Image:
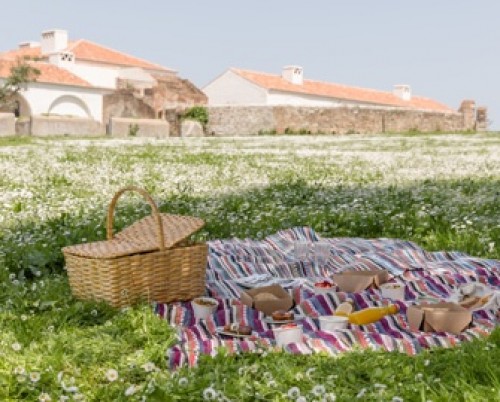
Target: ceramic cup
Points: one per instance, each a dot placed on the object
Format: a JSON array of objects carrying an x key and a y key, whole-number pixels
[
  {"x": 204, "y": 307},
  {"x": 285, "y": 335}
]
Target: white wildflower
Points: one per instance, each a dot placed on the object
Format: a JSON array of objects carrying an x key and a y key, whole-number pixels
[
  {"x": 16, "y": 346},
  {"x": 44, "y": 397},
  {"x": 310, "y": 372},
  {"x": 131, "y": 390},
  {"x": 71, "y": 388},
  {"x": 112, "y": 375},
  {"x": 35, "y": 376},
  {"x": 209, "y": 394},
  {"x": 19, "y": 370},
  {"x": 397, "y": 399},
  {"x": 148, "y": 367},
  {"x": 301, "y": 399},
  {"x": 293, "y": 393},
  {"x": 318, "y": 390},
  {"x": 361, "y": 393},
  {"x": 183, "y": 381}
]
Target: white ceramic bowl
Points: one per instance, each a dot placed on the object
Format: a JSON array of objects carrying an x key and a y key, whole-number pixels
[
  {"x": 332, "y": 322},
  {"x": 394, "y": 291},
  {"x": 322, "y": 291},
  {"x": 284, "y": 335},
  {"x": 201, "y": 311}
]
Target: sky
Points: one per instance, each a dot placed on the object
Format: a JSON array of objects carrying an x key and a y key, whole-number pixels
[{"x": 447, "y": 50}]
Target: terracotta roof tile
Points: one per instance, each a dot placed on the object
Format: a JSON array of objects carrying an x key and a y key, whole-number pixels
[
  {"x": 29, "y": 52},
  {"x": 338, "y": 91},
  {"x": 86, "y": 50},
  {"x": 48, "y": 73}
]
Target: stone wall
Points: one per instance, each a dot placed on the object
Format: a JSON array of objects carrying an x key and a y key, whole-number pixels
[
  {"x": 51, "y": 125},
  {"x": 23, "y": 126},
  {"x": 122, "y": 127},
  {"x": 7, "y": 124},
  {"x": 123, "y": 103},
  {"x": 251, "y": 120},
  {"x": 239, "y": 120}
]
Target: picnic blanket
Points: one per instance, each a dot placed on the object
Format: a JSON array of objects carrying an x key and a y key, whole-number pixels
[{"x": 236, "y": 262}]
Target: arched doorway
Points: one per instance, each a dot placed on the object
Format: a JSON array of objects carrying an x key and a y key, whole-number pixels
[
  {"x": 69, "y": 105},
  {"x": 18, "y": 105}
]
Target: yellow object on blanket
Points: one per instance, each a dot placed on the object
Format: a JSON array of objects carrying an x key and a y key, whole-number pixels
[{"x": 372, "y": 314}]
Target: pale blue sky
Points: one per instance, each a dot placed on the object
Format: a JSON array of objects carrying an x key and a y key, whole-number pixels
[{"x": 445, "y": 49}]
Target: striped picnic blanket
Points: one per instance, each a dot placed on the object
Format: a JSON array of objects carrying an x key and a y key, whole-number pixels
[{"x": 431, "y": 274}]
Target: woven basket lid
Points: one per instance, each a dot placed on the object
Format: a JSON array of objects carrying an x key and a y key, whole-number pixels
[{"x": 140, "y": 237}]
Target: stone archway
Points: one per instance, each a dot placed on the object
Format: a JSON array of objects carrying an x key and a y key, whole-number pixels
[
  {"x": 69, "y": 105},
  {"x": 19, "y": 106}
]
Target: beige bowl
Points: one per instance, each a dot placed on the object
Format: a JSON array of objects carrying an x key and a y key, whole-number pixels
[{"x": 332, "y": 322}]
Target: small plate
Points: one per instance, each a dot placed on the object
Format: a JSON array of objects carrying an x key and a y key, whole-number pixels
[
  {"x": 427, "y": 299},
  {"x": 269, "y": 320},
  {"x": 220, "y": 331},
  {"x": 481, "y": 291}
]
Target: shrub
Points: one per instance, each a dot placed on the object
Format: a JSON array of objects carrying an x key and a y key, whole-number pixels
[
  {"x": 198, "y": 113},
  {"x": 133, "y": 129}
]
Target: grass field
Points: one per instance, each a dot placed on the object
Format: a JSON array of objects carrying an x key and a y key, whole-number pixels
[{"x": 441, "y": 191}]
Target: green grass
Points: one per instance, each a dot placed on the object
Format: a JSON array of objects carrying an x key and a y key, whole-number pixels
[{"x": 440, "y": 191}]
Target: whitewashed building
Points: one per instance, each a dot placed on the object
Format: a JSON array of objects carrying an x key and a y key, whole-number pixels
[
  {"x": 75, "y": 75},
  {"x": 237, "y": 87}
]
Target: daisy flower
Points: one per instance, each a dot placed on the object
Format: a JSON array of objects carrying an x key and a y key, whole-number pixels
[
  {"x": 209, "y": 394},
  {"x": 112, "y": 375}
]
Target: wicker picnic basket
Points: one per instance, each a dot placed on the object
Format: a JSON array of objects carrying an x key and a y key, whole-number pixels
[{"x": 149, "y": 260}]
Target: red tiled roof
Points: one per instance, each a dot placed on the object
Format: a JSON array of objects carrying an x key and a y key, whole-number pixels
[
  {"x": 28, "y": 52},
  {"x": 48, "y": 73},
  {"x": 86, "y": 50},
  {"x": 338, "y": 91}
]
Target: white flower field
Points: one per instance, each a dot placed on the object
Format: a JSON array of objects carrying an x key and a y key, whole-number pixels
[{"x": 441, "y": 191}]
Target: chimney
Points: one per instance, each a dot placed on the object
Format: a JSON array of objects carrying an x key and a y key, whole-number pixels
[
  {"x": 402, "y": 92},
  {"x": 293, "y": 74},
  {"x": 28, "y": 44},
  {"x": 54, "y": 41}
]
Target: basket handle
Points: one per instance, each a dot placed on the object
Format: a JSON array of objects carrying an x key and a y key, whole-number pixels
[{"x": 149, "y": 199}]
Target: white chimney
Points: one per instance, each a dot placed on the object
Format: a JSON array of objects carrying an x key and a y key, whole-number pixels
[
  {"x": 402, "y": 91},
  {"x": 293, "y": 74},
  {"x": 54, "y": 41},
  {"x": 28, "y": 44}
]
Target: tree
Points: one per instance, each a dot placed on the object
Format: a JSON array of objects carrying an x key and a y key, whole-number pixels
[{"x": 20, "y": 75}]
